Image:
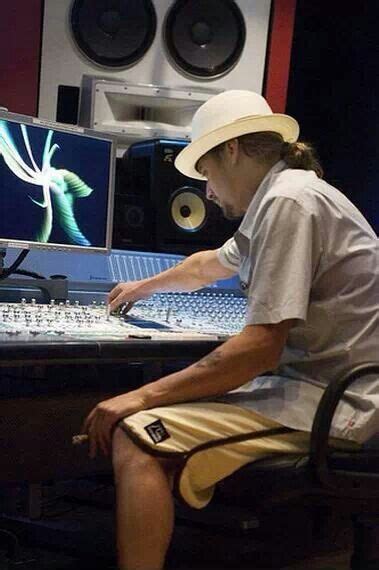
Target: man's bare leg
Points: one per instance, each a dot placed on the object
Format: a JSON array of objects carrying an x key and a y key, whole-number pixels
[{"x": 145, "y": 508}]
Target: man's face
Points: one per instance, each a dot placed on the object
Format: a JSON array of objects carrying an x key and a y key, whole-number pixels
[{"x": 219, "y": 188}]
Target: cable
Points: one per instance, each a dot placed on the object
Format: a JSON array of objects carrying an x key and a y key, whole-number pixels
[
  {"x": 10, "y": 541},
  {"x": 29, "y": 274},
  {"x": 12, "y": 268}
]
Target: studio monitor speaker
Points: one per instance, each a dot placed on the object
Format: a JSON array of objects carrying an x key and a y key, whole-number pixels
[
  {"x": 159, "y": 209},
  {"x": 212, "y": 44}
]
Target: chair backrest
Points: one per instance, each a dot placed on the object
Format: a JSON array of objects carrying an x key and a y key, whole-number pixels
[{"x": 361, "y": 478}]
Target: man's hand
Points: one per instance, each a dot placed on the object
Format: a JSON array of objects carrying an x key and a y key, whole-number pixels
[
  {"x": 127, "y": 293},
  {"x": 101, "y": 420},
  {"x": 196, "y": 271}
]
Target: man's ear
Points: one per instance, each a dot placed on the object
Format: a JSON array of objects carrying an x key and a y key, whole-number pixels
[{"x": 232, "y": 150}]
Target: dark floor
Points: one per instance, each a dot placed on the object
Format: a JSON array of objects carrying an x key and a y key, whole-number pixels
[
  {"x": 33, "y": 558},
  {"x": 72, "y": 556},
  {"x": 76, "y": 532}
]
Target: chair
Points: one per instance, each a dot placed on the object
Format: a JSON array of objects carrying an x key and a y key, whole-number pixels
[{"x": 280, "y": 509}]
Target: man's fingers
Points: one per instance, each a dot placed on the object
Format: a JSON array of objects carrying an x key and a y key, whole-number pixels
[
  {"x": 100, "y": 423},
  {"x": 104, "y": 441},
  {"x": 114, "y": 292},
  {"x": 120, "y": 300},
  {"x": 117, "y": 300},
  {"x": 127, "y": 306},
  {"x": 88, "y": 421},
  {"x": 116, "y": 297},
  {"x": 93, "y": 425},
  {"x": 127, "y": 293},
  {"x": 92, "y": 448},
  {"x": 92, "y": 442},
  {"x": 99, "y": 432}
]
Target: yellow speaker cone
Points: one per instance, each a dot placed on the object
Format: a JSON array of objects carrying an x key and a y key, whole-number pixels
[{"x": 188, "y": 211}]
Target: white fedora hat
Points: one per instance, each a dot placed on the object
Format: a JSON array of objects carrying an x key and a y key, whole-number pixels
[{"x": 228, "y": 115}]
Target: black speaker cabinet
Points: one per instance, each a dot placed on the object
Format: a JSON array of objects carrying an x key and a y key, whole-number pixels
[
  {"x": 159, "y": 209},
  {"x": 133, "y": 218}
]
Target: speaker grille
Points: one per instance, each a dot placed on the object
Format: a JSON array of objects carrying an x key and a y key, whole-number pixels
[
  {"x": 113, "y": 33},
  {"x": 205, "y": 38}
]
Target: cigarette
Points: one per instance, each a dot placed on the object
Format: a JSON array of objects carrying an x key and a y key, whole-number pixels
[{"x": 79, "y": 439}]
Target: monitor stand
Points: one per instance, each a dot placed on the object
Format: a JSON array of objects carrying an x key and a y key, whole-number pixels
[{"x": 55, "y": 288}]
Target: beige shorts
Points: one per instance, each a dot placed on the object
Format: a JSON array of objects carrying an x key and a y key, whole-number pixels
[{"x": 211, "y": 441}]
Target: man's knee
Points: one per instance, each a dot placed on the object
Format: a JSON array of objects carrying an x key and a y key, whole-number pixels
[{"x": 126, "y": 455}]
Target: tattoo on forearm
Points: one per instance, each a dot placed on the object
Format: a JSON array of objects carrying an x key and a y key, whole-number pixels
[{"x": 211, "y": 359}]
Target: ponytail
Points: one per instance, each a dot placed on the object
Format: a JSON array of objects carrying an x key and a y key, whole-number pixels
[
  {"x": 270, "y": 146},
  {"x": 301, "y": 155}
]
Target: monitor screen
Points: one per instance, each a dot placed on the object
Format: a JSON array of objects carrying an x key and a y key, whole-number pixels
[{"x": 56, "y": 185}]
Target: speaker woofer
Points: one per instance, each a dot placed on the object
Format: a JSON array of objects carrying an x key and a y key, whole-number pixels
[
  {"x": 113, "y": 33},
  {"x": 205, "y": 38},
  {"x": 188, "y": 209}
]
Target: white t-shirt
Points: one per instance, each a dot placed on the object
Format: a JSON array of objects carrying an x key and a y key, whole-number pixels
[{"x": 303, "y": 251}]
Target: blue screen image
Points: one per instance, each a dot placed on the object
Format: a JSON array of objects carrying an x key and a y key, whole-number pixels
[{"x": 54, "y": 185}]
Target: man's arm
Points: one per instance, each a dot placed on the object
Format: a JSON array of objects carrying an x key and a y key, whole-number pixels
[
  {"x": 255, "y": 350},
  {"x": 196, "y": 271}
]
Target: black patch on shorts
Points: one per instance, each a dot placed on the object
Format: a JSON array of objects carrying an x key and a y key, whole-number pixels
[{"x": 157, "y": 432}]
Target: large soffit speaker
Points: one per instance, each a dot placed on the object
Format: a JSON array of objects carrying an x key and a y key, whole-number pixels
[
  {"x": 205, "y": 39},
  {"x": 210, "y": 44},
  {"x": 113, "y": 34}
]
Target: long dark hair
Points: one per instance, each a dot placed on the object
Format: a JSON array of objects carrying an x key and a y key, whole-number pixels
[{"x": 270, "y": 146}]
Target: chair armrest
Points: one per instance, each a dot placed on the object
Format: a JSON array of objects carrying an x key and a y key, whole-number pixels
[{"x": 347, "y": 483}]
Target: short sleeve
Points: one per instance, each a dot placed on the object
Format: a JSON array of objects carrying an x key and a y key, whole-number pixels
[
  {"x": 285, "y": 250},
  {"x": 228, "y": 255}
]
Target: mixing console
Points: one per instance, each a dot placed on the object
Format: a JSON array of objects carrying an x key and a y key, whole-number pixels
[
  {"x": 208, "y": 311},
  {"x": 200, "y": 315}
]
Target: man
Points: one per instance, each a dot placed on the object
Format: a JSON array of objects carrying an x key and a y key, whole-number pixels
[{"x": 308, "y": 262}]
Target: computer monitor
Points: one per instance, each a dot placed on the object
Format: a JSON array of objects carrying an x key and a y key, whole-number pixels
[{"x": 56, "y": 185}]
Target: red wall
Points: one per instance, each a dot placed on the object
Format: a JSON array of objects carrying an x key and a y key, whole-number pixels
[
  {"x": 20, "y": 35},
  {"x": 279, "y": 53}
]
